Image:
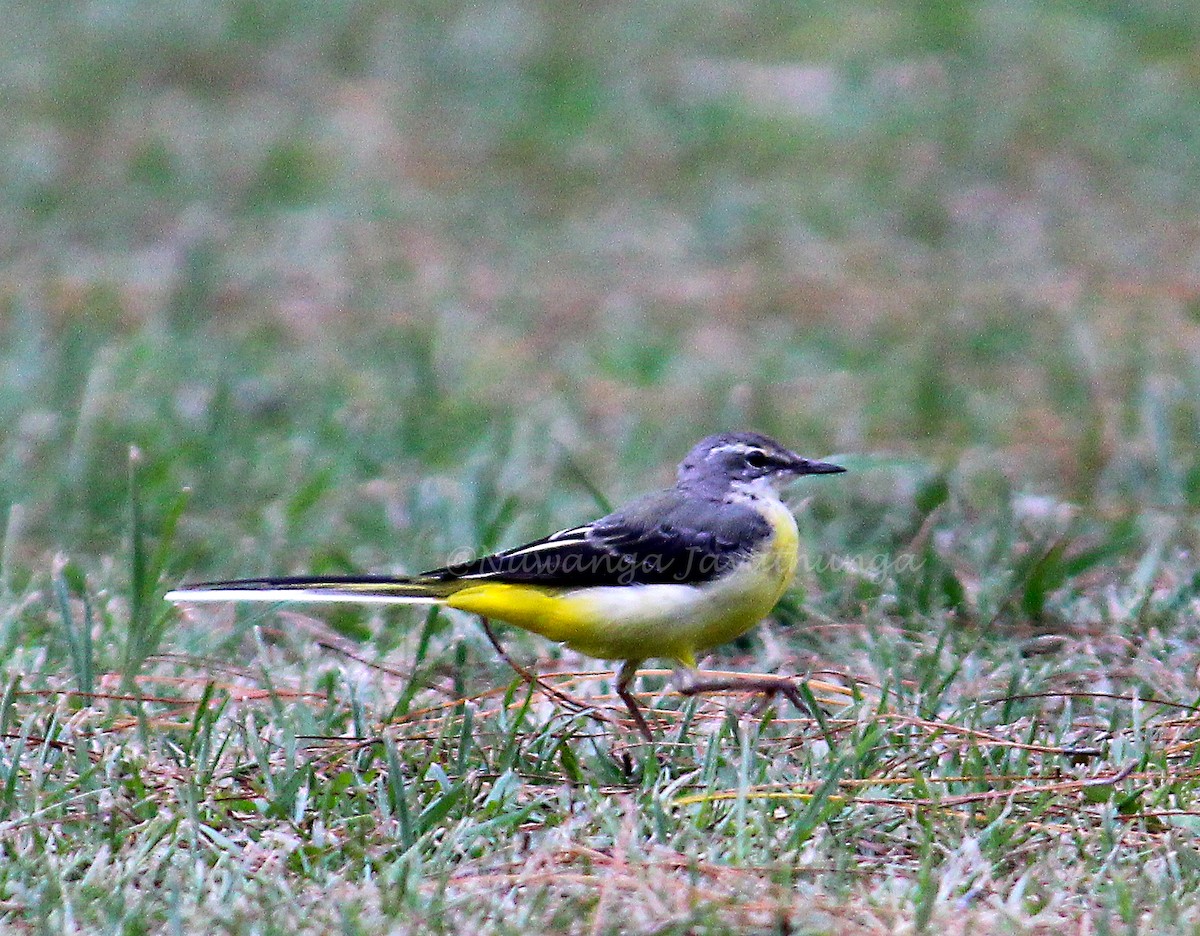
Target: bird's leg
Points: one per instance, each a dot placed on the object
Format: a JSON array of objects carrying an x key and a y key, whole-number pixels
[
  {"x": 689, "y": 684},
  {"x": 625, "y": 676},
  {"x": 531, "y": 679}
]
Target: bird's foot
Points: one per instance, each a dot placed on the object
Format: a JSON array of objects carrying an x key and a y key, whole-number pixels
[{"x": 768, "y": 685}]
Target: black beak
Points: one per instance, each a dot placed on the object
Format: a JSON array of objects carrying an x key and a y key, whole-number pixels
[{"x": 805, "y": 466}]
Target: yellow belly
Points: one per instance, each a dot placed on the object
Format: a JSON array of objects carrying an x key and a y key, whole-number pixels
[{"x": 637, "y": 622}]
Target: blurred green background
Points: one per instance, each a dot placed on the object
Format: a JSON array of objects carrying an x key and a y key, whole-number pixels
[
  {"x": 370, "y": 283},
  {"x": 306, "y": 254}
]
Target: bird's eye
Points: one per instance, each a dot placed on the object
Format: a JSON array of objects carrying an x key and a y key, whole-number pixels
[{"x": 756, "y": 459}]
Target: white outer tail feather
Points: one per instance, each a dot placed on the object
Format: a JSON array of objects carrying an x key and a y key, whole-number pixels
[{"x": 294, "y": 595}]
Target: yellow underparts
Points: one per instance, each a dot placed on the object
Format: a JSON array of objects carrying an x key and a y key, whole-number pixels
[{"x": 637, "y": 622}]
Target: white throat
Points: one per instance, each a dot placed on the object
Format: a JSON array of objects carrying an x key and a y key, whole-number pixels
[{"x": 759, "y": 489}]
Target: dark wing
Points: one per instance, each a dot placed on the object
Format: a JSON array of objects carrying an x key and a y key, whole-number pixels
[{"x": 664, "y": 538}]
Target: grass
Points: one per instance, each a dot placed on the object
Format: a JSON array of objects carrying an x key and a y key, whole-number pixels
[{"x": 370, "y": 287}]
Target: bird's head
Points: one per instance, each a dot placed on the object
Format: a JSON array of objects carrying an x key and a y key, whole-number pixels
[{"x": 745, "y": 460}]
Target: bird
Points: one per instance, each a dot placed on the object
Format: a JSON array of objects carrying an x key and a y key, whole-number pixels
[{"x": 670, "y": 575}]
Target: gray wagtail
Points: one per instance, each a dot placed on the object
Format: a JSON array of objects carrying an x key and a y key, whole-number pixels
[{"x": 670, "y": 575}]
